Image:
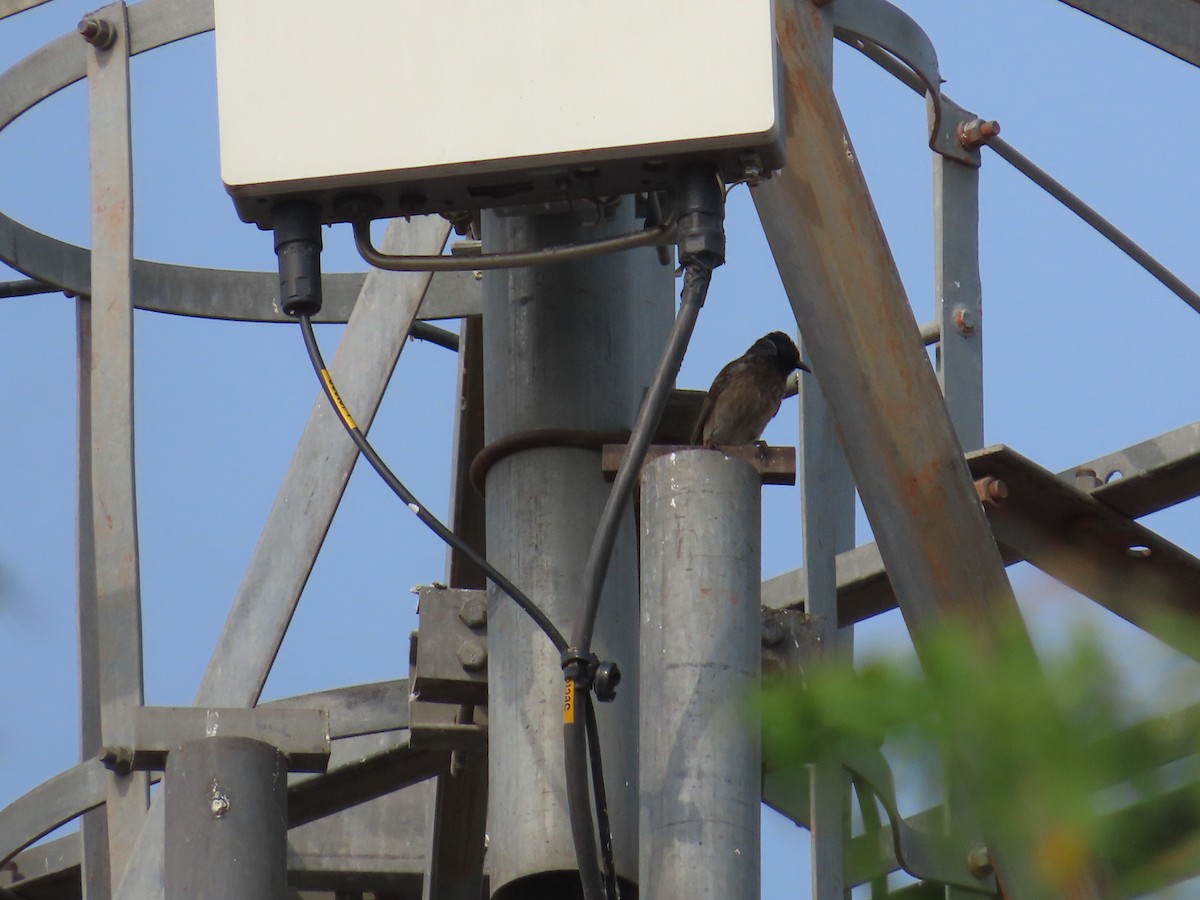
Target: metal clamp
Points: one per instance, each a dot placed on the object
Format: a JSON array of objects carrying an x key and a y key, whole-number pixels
[
  {"x": 879, "y": 23},
  {"x": 940, "y": 858}
]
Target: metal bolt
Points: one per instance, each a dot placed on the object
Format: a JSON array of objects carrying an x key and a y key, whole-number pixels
[
  {"x": 1086, "y": 480},
  {"x": 977, "y": 132},
  {"x": 472, "y": 655},
  {"x": 473, "y": 612},
  {"x": 772, "y": 632},
  {"x": 218, "y": 803},
  {"x": 992, "y": 492},
  {"x": 118, "y": 759},
  {"x": 979, "y": 861},
  {"x": 964, "y": 320},
  {"x": 100, "y": 33}
]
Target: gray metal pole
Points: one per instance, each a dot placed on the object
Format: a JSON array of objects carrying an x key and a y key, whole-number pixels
[
  {"x": 225, "y": 800},
  {"x": 701, "y": 781},
  {"x": 566, "y": 346},
  {"x": 115, "y": 579}
]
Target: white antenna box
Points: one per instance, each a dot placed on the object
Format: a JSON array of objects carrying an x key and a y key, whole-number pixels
[{"x": 420, "y": 106}]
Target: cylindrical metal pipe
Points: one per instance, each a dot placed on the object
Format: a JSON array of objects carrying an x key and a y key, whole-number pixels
[
  {"x": 225, "y": 804},
  {"x": 566, "y": 345},
  {"x": 700, "y": 783}
]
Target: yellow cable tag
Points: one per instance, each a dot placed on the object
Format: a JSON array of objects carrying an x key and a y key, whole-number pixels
[
  {"x": 337, "y": 400},
  {"x": 569, "y": 704}
]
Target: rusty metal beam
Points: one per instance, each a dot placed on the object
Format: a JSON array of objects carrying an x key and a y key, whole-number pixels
[
  {"x": 869, "y": 359},
  {"x": 1135, "y": 481}
]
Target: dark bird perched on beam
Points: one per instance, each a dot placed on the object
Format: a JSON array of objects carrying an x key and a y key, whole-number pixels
[{"x": 746, "y": 394}]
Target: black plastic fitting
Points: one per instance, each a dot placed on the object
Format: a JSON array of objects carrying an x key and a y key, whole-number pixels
[
  {"x": 298, "y": 246},
  {"x": 700, "y": 216},
  {"x": 608, "y": 676},
  {"x": 579, "y": 667}
]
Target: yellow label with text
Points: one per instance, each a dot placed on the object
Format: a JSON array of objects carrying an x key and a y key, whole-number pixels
[
  {"x": 337, "y": 400},
  {"x": 569, "y": 703}
]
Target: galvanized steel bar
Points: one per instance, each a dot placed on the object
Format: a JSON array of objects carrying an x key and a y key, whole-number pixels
[
  {"x": 95, "y": 875},
  {"x": 827, "y": 521},
  {"x": 51, "y": 804},
  {"x": 700, "y": 759},
  {"x": 827, "y": 511},
  {"x": 959, "y": 358},
  {"x": 871, "y": 364},
  {"x": 1052, "y": 187},
  {"x": 547, "y": 368},
  {"x": 1123, "y": 242},
  {"x": 226, "y": 806},
  {"x": 114, "y": 506},
  {"x": 25, "y": 288},
  {"x": 959, "y": 301},
  {"x": 12, "y": 7},
  {"x": 1170, "y": 25}
]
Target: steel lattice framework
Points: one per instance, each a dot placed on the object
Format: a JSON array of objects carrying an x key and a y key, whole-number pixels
[{"x": 919, "y": 465}]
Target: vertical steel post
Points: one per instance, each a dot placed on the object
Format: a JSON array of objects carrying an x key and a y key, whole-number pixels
[
  {"x": 456, "y": 833},
  {"x": 827, "y": 510},
  {"x": 827, "y": 517},
  {"x": 701, "y": 780},
  {"x": 959, "y": 296},
  {"x": 95, "y": 877},
  {"x": 567, "y": 346},
  {"x": 959, "y": 309},
  {"x": 225, "y": 802},
  {"x": 118, "y": 616}
]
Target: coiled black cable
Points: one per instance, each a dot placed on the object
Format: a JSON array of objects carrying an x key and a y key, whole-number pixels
[{"x": 429, "y": 519}]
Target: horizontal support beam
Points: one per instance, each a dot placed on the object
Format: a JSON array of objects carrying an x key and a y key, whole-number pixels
[
  {"x": 357, "y": 710},
  {"x": 361, "y": 780},
  {"x": 302, "y": 735},
  {"x": 1154, "y": 475}
]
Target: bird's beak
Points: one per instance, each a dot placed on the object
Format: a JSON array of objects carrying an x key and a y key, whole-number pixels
[{"x": 804, "y": 368}]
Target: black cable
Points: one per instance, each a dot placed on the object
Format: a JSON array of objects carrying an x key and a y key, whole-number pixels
[
  {"x": 695, "y": 288},
  {"x": 600, "y": 796},
  {"x": 506, "y": 260},
  {"x": 429, "y": 519}
]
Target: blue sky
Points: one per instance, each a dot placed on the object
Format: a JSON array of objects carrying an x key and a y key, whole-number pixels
[{"x": 1085, "y": 354}]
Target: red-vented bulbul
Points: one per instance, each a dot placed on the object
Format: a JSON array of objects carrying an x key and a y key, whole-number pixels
[{"x": 747, "y": 393}]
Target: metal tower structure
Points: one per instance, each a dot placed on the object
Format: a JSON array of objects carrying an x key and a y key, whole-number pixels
[{"x": 449, "y": 784}]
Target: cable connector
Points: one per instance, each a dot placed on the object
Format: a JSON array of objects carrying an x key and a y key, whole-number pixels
[
  {"x": 298, "y": 246},
  {"x": 700, "y": 217}
]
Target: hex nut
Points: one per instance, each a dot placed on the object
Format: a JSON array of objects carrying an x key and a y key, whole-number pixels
[
  {"x": 472, "y": 655},
  {"x": 473, "y": 612},
  {"x": 100, "y": 33}
]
